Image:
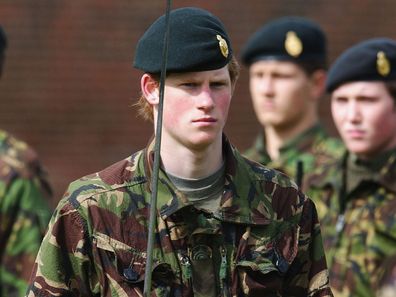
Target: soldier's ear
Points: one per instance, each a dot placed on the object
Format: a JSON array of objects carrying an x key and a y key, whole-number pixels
[
  {"x": 149, "y": 87},
  {"x": 319, "y": 82}
]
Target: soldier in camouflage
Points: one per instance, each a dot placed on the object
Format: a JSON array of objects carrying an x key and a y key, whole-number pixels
[
  {"x": 225, "y": 226},
  {"x": 356, "y": 197},
  {"x": 24, "y": 212},
  {"x": 287, "y": 70}
]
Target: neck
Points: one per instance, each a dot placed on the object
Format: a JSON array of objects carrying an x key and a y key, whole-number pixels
[
  {"x": 277, "y": 136},
  {"x": 378, "y": 155},
  {"x": 185, "y": 162}
]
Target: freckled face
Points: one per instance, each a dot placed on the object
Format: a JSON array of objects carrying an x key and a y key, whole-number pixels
[
  {"x": 365, "y": 116},
  {"x": 196, "y": 106}
]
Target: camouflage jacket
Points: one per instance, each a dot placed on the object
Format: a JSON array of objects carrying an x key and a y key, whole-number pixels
[
  {"x": 313, "y": 148},
  {"x": 387, "y": 283},
  {"x": 358, "y": 222},
  {"x": 24, "y": 213},
  {"x": 264, "y": 240}
]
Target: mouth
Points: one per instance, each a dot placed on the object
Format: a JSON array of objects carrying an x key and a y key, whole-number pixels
[
  {"x": 268, "y": 105},
  {"x": 205, "y": 120},
  {"x": 355, "y": 133}
]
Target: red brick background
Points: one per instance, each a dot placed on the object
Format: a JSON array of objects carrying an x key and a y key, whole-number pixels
[{"x": 69, "y": 85}]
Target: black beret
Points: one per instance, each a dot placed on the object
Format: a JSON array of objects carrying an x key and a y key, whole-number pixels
[
  {"x": 198, "y": 41},
  {"x": 288, "y": 38},
  {"x": 370, "y": 60},
  {"x": 3, "y": 40}
]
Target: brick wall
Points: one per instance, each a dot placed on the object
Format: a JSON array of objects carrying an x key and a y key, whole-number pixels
[{"x": 68, "y": 85}]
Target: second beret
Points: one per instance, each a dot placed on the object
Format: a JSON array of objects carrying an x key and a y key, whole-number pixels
[{"x": 288, "y": 38}]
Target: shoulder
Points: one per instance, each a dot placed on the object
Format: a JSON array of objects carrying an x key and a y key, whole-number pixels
[
  {"x": 260, "y": 181},
  {"x": 101, "y": 199},
  {"x": 111, "y": 180},
  {"x": 328, "y": 174},
  {"x": 329, "y": 145},
  {"x": 17, "y": 157},
  {"x": 268, "y": 190},
  {"x": 257, "y": 151},
  {"x": 259, "y": 172},
  {"x": 333, "y": 143}
]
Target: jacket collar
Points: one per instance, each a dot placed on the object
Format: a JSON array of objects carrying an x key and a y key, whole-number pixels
[
  {"x": 332, "y": 174},
  {"x": 381, "y": 170},
  {"x": 301, "y": 142},
  {"x": 239, "y": 188}
]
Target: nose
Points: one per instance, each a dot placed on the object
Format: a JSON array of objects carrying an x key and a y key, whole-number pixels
[
  {"x": 205, "y": 100},
  {"x": 267, "y": 86},
  {"x": 353, "y": 113}
]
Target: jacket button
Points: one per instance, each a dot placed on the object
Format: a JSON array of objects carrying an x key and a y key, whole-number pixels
[{"x": 131, "y": 274}]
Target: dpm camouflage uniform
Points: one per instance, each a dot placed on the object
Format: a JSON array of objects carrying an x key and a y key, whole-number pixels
[
  {"x": 313, "y": 148},
  {"x": 264, "y": 239},
  {"x": 387, "y": 283},
  {"x": 24, "y": 213},
  {"x": 356, "y": 206}
]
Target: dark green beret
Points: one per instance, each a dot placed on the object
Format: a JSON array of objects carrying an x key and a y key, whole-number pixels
[
  {"x": 3, "y": 40},
  {"x": 288, "y": 38},
  {"x": 370, "y": 60},
  {"x": 198, "y": 42}
]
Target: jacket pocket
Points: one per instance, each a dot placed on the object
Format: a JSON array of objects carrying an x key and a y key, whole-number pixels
[
  {"x": 123, "y": 268},
  {"x": 262, "y": 262}
]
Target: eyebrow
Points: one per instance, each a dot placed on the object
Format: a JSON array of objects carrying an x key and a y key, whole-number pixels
[{"x": 355, "y": 97}]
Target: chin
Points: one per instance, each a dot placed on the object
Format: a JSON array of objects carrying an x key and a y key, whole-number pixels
[
  {"x": 359, "y": 150},
  {"x": 203, "y": 141}
]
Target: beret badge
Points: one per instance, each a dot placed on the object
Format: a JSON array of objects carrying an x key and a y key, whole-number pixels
[
  {"x": 223, "y": 45},
  {"x": 293, "y": 44},
  {"x": 383, "y": 65}
]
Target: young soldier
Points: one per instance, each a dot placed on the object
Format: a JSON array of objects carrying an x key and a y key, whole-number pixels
[
  {"x": 24, "y": 210},
  {"x": 356, "y": 197},
  {"x": 287, "y": 70},
  {"x": 225, "y": 226}
]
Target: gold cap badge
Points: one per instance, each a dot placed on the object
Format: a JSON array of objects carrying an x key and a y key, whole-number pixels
[
  {"x": 223, "y": 45},
  {"x": 383, "y": 65},
  {"x": 293, "y": 44}
]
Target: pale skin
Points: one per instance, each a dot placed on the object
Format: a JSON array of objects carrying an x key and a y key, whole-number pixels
[
  {"x": 365, "y": 116},
  {"x": 195, "y": 111},
  {"x": 284, "y": 99}
]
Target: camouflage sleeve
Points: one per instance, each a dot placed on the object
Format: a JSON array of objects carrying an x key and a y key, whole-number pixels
[
  {"x": 24, "y": 216},
  {"x": 308, "y": 273},
  {"x": 67, "y": 264},
  {"x": 62, "y": 266}
]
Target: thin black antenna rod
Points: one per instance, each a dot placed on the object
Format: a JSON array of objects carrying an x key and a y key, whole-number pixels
[{"x": 157, "y": 148}]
